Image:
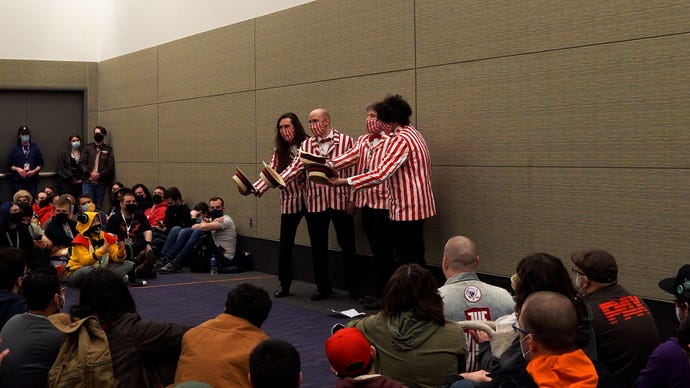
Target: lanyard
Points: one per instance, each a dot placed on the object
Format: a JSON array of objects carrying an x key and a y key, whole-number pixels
[{"x": 9, "y": 240}]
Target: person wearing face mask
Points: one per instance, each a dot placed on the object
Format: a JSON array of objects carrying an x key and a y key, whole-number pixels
[
  {"x": 68, "y": 167},
  {"x": 668, "y": 364},
  {"x": 34, "y": 340},
  {"x": 97, "y": 165},
  {"x": 156, "y": 213},
  {"x": 143, "y": 196},
  {"x": 94, "y": 248},
  {"x": 14, "y": 233},
  {"x": 222, "y": 230},
  {"x": 25, "y": 161},
  {"x": 61, "y": 231},
  {"x": 131, "y": 226},
  {"x": 43, "y": 209},
  {"x": 624, "y": 328}
]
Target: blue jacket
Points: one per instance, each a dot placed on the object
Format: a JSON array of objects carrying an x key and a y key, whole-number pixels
[{"x": 17, "y": 159}]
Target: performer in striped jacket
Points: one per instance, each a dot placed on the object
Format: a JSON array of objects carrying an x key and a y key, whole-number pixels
[
  {"x": 326, "y": 204},
  {"x": 366, "y": 155},
  {"x": 289, "y": 135},
  {"x": 406, "y": 166}
]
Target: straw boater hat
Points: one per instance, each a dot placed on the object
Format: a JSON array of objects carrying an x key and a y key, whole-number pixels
[
  {"x": 271, "y": 177},
  {"x": 243, "y": 183},
  {"x": 320, "y": 173},
  {"x": 308, "y": 158}
]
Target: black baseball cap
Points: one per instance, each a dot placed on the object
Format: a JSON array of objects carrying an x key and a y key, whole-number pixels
[{"x": 678, "y": 286}]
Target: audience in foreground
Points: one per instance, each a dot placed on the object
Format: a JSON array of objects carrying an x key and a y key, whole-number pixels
[
  {"x": 274, "y": 363},
  {"x": 12, "y": 268},
  {"x": 217, "y": 351}
]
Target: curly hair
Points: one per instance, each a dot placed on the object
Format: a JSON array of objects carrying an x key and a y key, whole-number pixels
[
  {"x": 105, "y": 294},
  {"x": 413, "y": 288},
  {"x": 393, "y": 109},
  {"x": 249, "y": 302}
]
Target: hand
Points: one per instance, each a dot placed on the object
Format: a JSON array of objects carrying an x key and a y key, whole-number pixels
[
  {"x": 21, "y": 173},
  {"x": 94, "y": 177},
  {"x": 148, "y": 248},
  {"x": 4, "y": 352},
  {"x": 337, "y": 182},
  {"x": 479, "y": 336},
  {"x": 30, "y": 173},
  {"x": 350, "y": 208},
  {"x": 479, "y": 376},
  {"x": 120, "y": 246}
]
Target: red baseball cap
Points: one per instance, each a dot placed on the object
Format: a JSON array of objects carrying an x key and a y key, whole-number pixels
[{"x": 348, "y": 352}]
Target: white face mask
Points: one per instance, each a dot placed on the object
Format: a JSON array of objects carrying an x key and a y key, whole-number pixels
[
  {"x": 578, "y": 281},
  {"x": 678, "y": 310},
  {"x": 61, "y": 304},
  {"x": 522, "y": 347}
]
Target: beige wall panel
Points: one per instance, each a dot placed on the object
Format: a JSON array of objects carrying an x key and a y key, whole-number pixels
[
  {"x": 346, "y": 100},
  {"x": 212, "y": 129},
  {"x": 129, "y": 80},
  {"x": 640, "y": 215},
  {"x": 92, "y": 87},
  {"x": 201, "y": 181},
  {"x": 43, "y": 74},
  {"x": 332, "y": 39},
  {"x": 131, "y": 173},
  {"x": 133, "y": 133},
  {"x": 215, "y": 62},
  {"x": 614, "y": 105},
  {"x": 457, "y": 31}
]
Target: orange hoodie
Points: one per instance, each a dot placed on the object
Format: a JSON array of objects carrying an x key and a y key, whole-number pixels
[{"x": 572, "y": 369}]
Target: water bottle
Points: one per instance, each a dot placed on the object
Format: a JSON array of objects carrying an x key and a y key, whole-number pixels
[{"x": 214, "y": 265}]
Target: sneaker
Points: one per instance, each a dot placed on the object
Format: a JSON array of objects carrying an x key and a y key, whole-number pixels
[
  {"x": 161, "y": 262},
  {"x": 170, "y": 268}
]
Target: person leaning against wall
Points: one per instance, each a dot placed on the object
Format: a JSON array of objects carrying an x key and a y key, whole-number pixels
[{"x": 97, "y": 164}]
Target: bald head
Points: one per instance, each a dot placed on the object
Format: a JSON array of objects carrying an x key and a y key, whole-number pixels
[
  {"x": 552, "y": 318},
  {"x": 461, "y": 254},
  {"x": 320, "y": 122}
]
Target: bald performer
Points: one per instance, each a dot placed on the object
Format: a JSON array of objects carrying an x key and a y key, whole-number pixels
[{"x": 465, "y": 297}]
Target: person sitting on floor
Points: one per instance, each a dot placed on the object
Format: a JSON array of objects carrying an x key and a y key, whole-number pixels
[
  {"x": 352, "y": 360},
  {"x": 61, "y": 231},
  {"x": 274, "y": 363},
  {"x": 217, "y": 351},
  {"x": 93, "y": 248},
  {"x": 12, "y": 269}
]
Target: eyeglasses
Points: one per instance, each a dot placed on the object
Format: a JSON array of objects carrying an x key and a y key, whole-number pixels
[
  {"x": 577, "y": 273},
  {"x": 517, "y": 329}
]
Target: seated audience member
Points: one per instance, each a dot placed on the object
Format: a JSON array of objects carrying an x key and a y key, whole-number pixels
[
  {"x": 222, "y": 230},
  {"x": 62, "y": 229},
  {"x": 537, "y": 272},
  {"x": 274, "y": 363},
  {"x": 217, "y": 351},
  {"x": 415, "y": 343},
  {"x": 12, "y": 268},
  {"x": 352, "y": 360},
  {"x": 42, "y": 244},
  {"x": 668, "y": 364},
  {"x": 144, "y": 352},
  {"x": 85, "y": 204},
  {"x": 624, "y": 328},
  {"x": 43, "y": 208},
  {"x": 131, "y": 226},
  {"x": 465, "y": 297},
  {"x": 156, "y": 213},
  {"x": 14, "y": 233},
  {"x": 178, "y": 237},
  {"x": 34, "y": 340},
  {"x": 177, "y": 212},
  {"x": 143, "y": 196},
  {"x": 23, "y": 196},
  {"x": 50, "y": 192},
  {"x": 116, "y": 191},
  {"x": 93, "y": 248},
  {"x": 547, "y": 329}
]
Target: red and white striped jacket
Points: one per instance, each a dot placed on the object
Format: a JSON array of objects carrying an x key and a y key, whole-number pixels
[
  {"x": 292, "y": 196},
  {"x": 366, "y": 154},
  {"x": 407, "y": 163},
  {"x": 322, "y": 197}
]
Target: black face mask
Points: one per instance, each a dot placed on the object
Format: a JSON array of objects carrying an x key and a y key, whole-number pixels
[
  {"x": 140, "y": 198},
  {"x": 43, "y": 203},
  {"x": 94, "y": 230},
  {"x": 131, "y": 207},
  {"x": 16, "y": 218},
  {"x": 157, "y": 199},
  {"x": 61, "y": 217},
  {"x": 98, "y": 137},
  {"x": 215, "y": 214}
]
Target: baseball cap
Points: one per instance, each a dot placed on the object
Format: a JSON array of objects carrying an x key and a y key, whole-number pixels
[
  {"x": 678, "y": 286},
  {"x": 597, "y": 264},
  {"x": 348, "y": 352}
]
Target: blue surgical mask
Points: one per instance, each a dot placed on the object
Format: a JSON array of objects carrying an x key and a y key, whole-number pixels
[
  {"x": 84, "y": 208},
  {"x": 25, "y": 138},
  {"x": 76, "y": 144}
]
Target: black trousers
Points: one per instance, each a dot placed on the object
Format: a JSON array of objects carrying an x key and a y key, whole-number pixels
[
  {"x": 377, "y": 227},
  {"x": 409, "y": 241},
  {"x": 318, "y": 224},
  {"x": 288, "y": 230}
]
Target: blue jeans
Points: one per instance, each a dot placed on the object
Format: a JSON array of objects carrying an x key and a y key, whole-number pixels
[
  {"x": 180, "y": 243},
  {"x": 95, "y": 191}
]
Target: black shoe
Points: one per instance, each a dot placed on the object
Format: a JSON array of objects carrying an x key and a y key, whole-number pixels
[
  {"x": 355, "y": 295},
  {"x": 170, "y": 268},
  {"x": 321, "y": 295},
  {"x": 281, "y": 292},
  {"x": 366, "y": 299},
  {"x": 161, "y": 263}
]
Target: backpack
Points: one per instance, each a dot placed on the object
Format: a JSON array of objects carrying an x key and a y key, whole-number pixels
[
  {"x": 84, "y": 357},
  {"x": 200, "y": 257}
]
